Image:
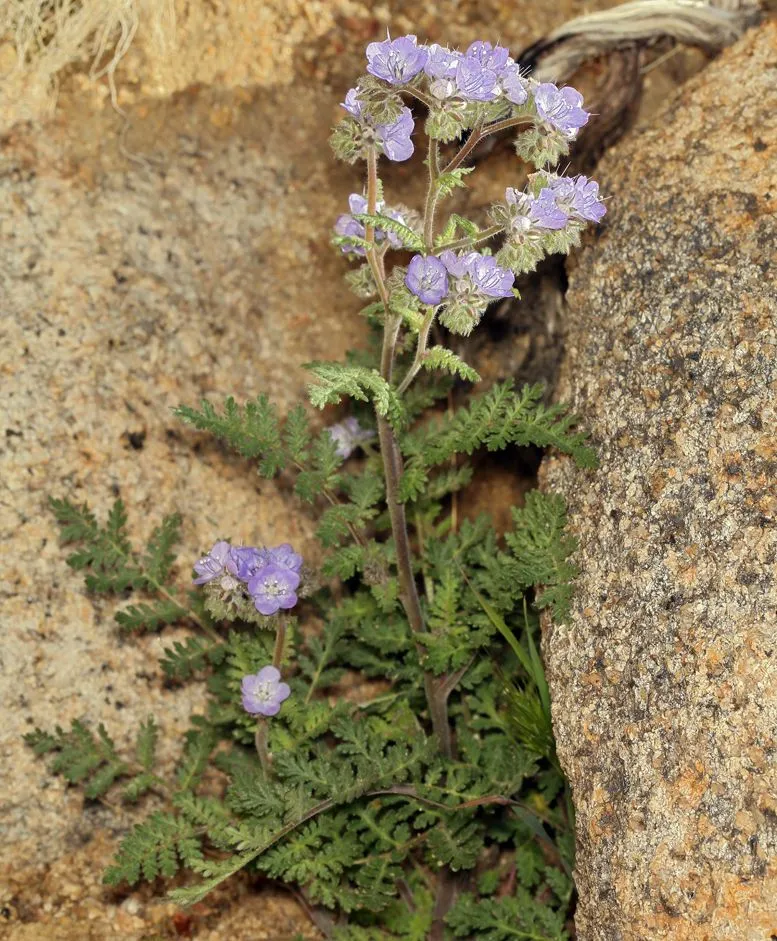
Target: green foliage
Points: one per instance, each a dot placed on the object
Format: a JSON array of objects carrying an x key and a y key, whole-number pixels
[
  {"x": 112, "y": 566},
  {"x": 252, "y": 430},
  {"x": 189, "y": 657},
  {"x": 82, "y": 757},
  {"x": 407, "y": 236},
  {"x": 519, "y": 915},
  {"x": 457, "y": 225},
  {"x": 150, "y": 617},
  {"x": 446, "y": 183},
  {"x": 495, "y": 420},
  {"x": 541, "y": 549},
  {"x": 105, "y": 552},
  {"x": 158, "y": 847},
  {"x": 446, "y": 121},
  {"x": 335, "y": 381},
  {"x": 437, "y": 357}
]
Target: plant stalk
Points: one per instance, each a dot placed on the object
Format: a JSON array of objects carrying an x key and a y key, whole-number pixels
[
  {"x": 423, "y": 338},
  {"x": 477, "y": 135},
  {"x": 431, "y": 194},
  {"x": 280, "y": 644},
  {"x": 260, "y": 741},
  {"x": 392, "y": 470}
]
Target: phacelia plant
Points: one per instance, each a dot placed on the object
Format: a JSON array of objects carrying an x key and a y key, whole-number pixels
[{"x": 379, "y": 720}]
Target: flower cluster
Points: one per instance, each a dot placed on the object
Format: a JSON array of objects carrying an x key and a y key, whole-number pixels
[
  {"x": 237, "y": 575},
  {"x": 548, "y": 217},
  {"x": 460, "y": 88},
  {"x": 560, "y": 201},
  {"x": 393, "y": 137},
  {"x": 347, "y": 227},
  {"x": 348, "y": 435},
  {"x": 465, "y": 283},
  {"x": 482, "y": 73}
]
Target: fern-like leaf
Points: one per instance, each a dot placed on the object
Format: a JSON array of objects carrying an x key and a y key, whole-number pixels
[
  {"x": 438, "y": 357},
  {"x": 542, "y": 549},
  {"x": 157, "y": 847},
  {"x": 151, "y": 616},
  {"x": 253, "y": 430}
]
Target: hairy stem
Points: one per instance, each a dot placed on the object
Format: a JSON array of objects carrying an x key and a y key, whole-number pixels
[
  {"x": 280, "y": 644},
  {"x": 431, "y": 193},
  {"x": 420, "y": 352},
  {"x": 477, "y": 135},
  {"x": 392, "y": 470},
  {"x": 260, "y": 741},
  {"x": 470, "y": 241}
]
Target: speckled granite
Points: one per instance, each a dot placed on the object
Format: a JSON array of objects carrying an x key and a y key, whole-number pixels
[{"x": 664, "y": 684}]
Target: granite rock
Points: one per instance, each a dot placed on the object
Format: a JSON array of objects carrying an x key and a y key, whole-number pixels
[{"x": 664, "y": 682}]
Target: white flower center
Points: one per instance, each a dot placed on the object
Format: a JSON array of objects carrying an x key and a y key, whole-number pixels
[{"x": 273, "y": 588}]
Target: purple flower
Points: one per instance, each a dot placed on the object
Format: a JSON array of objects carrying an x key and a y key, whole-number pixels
[
  {"x": 492, "y": 280},
  {"x": 566, "y": 198},
  {"x": 560, "y": 107},
  {"x": 457, "y": 265},
  {"x": 546, "y": 212},
  {"x": 441, "y": 62},
  {"x": 273, "y": 587},
  {"x": 247, "y": 561},
  {"x": 427, "y": 278},
  {"x": 481, "y": 271},
  {"x": 347, "y": 226},
  {"x": 352, "y": 104},
  {"x": 217, "y": 562},
  {"x": 513, "y": 84},
  {"x": 395, "y": 137},
  {"x": 284, "y": 557},
  {"x": 475, "y": 82},
  {"x": 489, "y": 57},
  {"x": 396, "y": 60},
  {"x": 585, "y": 200},
  {"x": 348, "y": 435},
  {"x": 263, "y": 693}
]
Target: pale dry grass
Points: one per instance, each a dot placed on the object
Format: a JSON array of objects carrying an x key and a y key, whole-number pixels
[{"x": 42, "y": 39}]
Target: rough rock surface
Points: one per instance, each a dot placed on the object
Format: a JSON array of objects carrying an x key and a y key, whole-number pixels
[{"x": 664, "y": 684}]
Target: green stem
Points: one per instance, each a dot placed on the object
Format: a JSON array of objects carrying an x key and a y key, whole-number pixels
[
  {"x": 423, "y": 338},
  {"x": 477, "y": 135},
  {"x": 392, "y": 470},
  {"x": 470, "y": 240}
]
